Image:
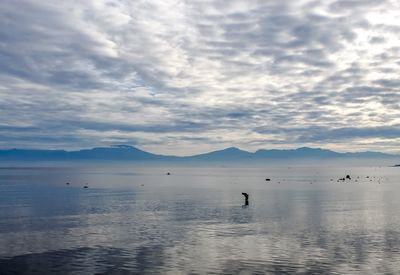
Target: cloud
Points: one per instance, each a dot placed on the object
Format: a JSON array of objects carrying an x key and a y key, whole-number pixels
[{"x": 188, "y": 76}]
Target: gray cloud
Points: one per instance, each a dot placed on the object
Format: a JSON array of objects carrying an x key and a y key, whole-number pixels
[
  {"x": 320, "y": 134},
  {"x": 189, "y": 76}
]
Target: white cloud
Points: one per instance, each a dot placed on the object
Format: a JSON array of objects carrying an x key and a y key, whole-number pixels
[{"x": 186, "y": 76}]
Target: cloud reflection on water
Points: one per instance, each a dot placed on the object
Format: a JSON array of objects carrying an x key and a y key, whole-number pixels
[{"x": 175, "y": 227}]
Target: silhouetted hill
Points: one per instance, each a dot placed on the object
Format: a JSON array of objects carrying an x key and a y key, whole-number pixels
[
  {"x": 129, "y": 153},
  {"x": 121, "y": 152},
  {"x": 231, "y": 153},
  {"x": 303, "y": 152},
  {"x": 27, "y": 154}
]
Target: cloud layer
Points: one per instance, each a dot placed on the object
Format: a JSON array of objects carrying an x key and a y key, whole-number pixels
[{"x": 184, "y": 77}]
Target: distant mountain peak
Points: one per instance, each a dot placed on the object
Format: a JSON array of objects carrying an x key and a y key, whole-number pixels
[
  {"x": 123, "y": 146},
  {"x": 311, "y": 149},
  {"x": 127, "y": 152},
  {"x": 232, "y": 149}
]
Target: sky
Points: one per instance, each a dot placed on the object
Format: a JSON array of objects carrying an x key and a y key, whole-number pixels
[{"x": 188, "y": 76}]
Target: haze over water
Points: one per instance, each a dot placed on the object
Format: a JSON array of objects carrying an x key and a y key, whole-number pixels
[{"x": 137, "y": 220}]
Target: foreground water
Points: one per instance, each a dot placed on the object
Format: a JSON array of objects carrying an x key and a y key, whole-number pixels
[{"x": 138, "y": 220}]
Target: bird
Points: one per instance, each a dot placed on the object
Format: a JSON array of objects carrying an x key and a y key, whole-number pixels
[{"x": 246, "y": 197}]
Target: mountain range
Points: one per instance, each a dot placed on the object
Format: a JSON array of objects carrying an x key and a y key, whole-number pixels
[{"x": 129, "y": 153}]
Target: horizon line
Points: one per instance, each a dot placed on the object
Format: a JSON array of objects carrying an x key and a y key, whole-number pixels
[{"x": 198, "y": 154}]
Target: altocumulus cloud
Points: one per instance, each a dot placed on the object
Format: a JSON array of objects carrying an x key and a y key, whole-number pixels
[{"x": 184, "y": 77}]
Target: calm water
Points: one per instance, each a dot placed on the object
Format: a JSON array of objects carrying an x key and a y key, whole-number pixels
[{"x": 138, "y": 220}]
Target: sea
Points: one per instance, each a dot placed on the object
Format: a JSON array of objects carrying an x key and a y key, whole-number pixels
[{"x": 130, "y": 218}]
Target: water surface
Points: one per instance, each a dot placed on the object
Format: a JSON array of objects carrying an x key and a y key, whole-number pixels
[{"x": 138, "y": 220}]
